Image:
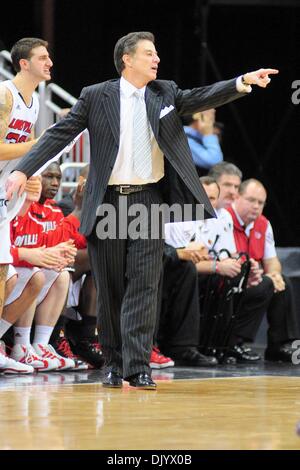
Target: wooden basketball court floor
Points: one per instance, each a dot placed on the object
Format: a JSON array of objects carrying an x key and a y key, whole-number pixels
[{"x": 230, "y": 407}]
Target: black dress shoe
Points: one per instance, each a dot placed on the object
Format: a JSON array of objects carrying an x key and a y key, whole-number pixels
[
  {"x": 243, "y": 354},
  {"x": 142, "y": 381},
  {"x": 113, "y": 380},
  {"x": 281, "y": 353},
  {"x": 191, "y": 357},
  {"x": 228, "y": 360}
]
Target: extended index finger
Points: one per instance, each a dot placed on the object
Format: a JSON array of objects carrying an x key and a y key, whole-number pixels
[{"x": 270, "y": 71}]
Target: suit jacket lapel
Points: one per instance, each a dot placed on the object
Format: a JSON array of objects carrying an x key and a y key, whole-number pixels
[
  {"x": 153, "y": 104},
  {"x": 112, "y": 107}
]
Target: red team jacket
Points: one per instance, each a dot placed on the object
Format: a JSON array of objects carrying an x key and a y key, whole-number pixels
[
  {"x": 43, "y": 224},
  {"x": 255, "y": 244}
]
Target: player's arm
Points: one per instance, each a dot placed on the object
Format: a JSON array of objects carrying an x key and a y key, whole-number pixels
[
  {"x": 32, "y": 136},
  {"x": 39, "y": 256},
  {"x": 15, "y": 150},
  {"x": 3, "y": 274}
]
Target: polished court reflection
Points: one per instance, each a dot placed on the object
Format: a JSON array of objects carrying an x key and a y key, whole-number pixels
[{"x": 255, "y": 412}]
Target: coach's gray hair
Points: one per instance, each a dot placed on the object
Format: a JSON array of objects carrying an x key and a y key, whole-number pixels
[{"x": 127, "y": 45}]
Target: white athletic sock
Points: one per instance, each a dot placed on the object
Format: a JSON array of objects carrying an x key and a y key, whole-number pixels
[
  {"x": 22, "y": 335},
  {"x": 42, "y": 334},
  {"x": 4, "y": 326}
]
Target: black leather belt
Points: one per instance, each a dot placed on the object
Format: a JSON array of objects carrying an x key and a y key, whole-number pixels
[{"x": 131, "y": 188}]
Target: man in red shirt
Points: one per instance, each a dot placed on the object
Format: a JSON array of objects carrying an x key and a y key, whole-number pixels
[{"x": 253, "y": 233}]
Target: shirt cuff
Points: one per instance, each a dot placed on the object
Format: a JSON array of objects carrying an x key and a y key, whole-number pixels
[{"x": 241, "y": 87}]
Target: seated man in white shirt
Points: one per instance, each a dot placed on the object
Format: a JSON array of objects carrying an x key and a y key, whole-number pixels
[
  {"x": 214, "y": 234},
  {"x": 217, "y": 234}
]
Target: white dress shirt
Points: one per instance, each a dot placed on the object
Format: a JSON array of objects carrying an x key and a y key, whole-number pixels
[
  {"x": 123, "y": 172},
  {"x": 213, "y": 233}
]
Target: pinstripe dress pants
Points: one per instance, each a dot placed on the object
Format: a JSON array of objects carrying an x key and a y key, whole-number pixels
[{"x": 127, "y": 273}]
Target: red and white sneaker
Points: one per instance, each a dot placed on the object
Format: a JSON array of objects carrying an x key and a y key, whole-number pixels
[
  {"x": 46, "y": 353},
  {"x": 62, "y": 346},
  {"x": 10, "y": 366},
  {"x": 64, "y": 362},
  {"x": 27, "y": 355},
  {"x": 158, "y": 360}
]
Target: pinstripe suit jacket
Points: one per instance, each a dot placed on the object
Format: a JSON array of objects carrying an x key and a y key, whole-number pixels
[{"x": 98, "y": 110}]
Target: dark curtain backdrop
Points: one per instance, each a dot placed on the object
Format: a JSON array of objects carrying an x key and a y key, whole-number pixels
[{"x": 261, "y": 131}]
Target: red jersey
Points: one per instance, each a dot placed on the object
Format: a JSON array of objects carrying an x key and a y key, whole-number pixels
[
  {"x": 43, "y": 225},
  {"x": 49, "y": 213}
]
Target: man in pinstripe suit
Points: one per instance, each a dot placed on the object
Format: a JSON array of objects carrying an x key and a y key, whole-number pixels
[{"x": 127, "y": 270}]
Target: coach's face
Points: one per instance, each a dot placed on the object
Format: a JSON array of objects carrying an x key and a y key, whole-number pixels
[{"x": 142, "y": 66}]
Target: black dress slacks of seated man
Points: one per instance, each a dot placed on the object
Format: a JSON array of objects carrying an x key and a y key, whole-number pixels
[
  {"x": 256, "y": 302},
  {"x": 179, "y": 313},
  {"x": 226, "y": 323},
  {"x": 281, "y": 316}
]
